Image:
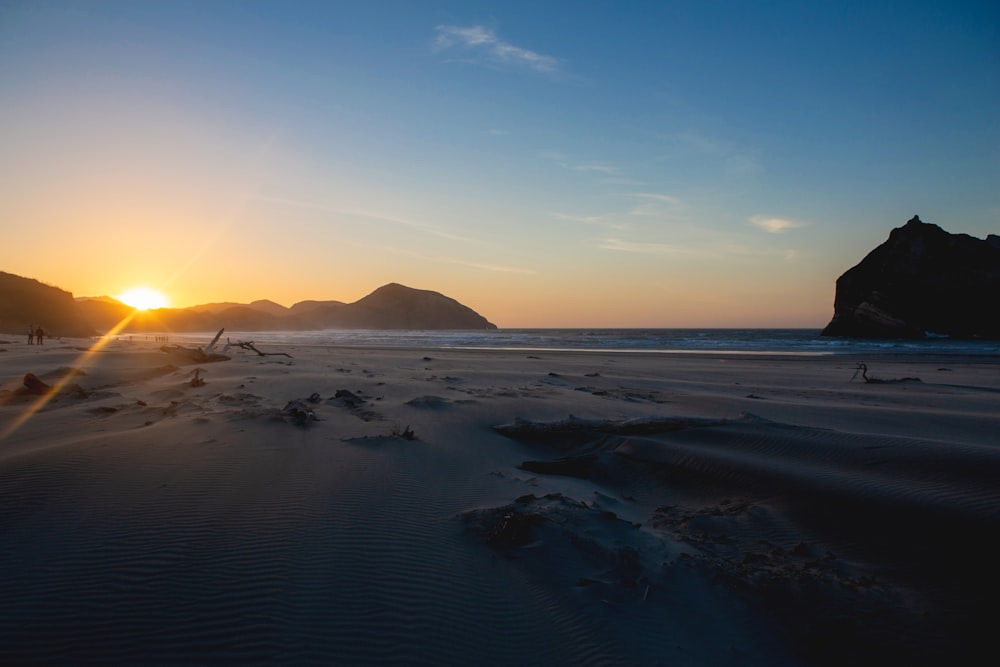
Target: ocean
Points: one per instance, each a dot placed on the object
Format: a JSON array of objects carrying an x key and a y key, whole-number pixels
[{"x": 737, "y": 341}]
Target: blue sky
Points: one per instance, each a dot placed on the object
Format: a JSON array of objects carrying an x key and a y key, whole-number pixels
[{"x": 548, "y": 164}]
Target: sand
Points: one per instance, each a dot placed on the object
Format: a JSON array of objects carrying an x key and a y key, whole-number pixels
[{"x": 412, "y": 506}]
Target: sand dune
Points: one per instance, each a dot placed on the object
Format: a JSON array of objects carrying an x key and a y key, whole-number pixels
[{"x": 403, "y": 506}]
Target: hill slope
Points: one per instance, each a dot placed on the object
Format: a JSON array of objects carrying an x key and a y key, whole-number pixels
[{"x": 25, "y": 301}]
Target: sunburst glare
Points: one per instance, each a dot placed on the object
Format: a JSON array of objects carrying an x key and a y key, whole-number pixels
[{"x": 143, "y": 298}]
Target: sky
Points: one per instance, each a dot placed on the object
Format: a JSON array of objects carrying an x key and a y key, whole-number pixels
[{"x": 548, "y": 164}]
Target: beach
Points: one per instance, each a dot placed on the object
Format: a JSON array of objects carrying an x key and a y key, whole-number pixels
[{"x": 407, "y": 505}]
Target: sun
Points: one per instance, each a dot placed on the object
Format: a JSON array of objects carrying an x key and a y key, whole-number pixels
[{"x": 143, "y": 298}]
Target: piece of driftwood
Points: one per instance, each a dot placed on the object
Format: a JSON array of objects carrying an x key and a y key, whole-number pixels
[
  {"x": 197, "y": 380},
  {"x": 248, "y": 345},
  {"x": 863, "y": 369},
  {"x": 211, "y": 346},
  {"x": 195, "y": 355}
]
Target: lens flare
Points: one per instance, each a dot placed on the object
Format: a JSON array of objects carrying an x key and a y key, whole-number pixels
[{"x": 143, "y": 298}]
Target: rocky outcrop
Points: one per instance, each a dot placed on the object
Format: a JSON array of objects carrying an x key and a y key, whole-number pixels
[{"x": 922, "y": 280}]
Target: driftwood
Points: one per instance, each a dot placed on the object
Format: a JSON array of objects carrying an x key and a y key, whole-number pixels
[
  {"x": 191, "y": 355},
  {"x": 863, "y": 369},
  {"x": 195, "y": 355},
  {"x": 248, "y": 345},
  {"x": 211, "y": 346},
  {"x": 197, "y": 380}
]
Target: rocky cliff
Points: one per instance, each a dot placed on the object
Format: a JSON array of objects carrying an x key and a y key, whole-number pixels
[{"x": 922, "y": 280}]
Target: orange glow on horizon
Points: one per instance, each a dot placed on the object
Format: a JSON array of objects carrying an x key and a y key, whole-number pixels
[{"x": 144, "y": 298}]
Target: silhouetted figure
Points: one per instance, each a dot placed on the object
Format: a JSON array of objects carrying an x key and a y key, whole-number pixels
[
  {"x": 31, "y": 334},
  {"x": 40, "y": 335}
]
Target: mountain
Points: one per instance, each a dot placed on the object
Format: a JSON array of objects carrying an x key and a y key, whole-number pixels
[
  {"x": 103, "y": 312},
  {"x": 396, "y": 306},
  {"x": 921, "y": 280},
  {"x": 25, "y": 301},
  {"x": 216, "y": 307},
  {"x": 261, "y": 305},
  {"x": 303, "y": 307}
]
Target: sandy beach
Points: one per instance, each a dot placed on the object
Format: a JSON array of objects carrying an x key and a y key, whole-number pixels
[{"x": 413, "y": 506}]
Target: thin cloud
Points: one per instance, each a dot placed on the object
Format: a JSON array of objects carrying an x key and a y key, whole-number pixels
[
  {"x": 663, "y": 199},
  {"x": 437, "y": 259},
  {"x": 496, "y": 268},
  {"x": 482, "y": 43},
  {"x": 734, "y": 161},
  {"x": 602, "y": 168},
  {"x": 606, "y": 221},
  {"x": 588, "y": 219},
  {"x": 653, "y": 205},
  {"x": 370, "y": 215},
  {"x": 643, "y": 248},
  {"x": 742, "y": 165},
  {"x": 565, "y": 162},
  {"x": 775, "y": 225},
  {"x": 414, "y": 224}
]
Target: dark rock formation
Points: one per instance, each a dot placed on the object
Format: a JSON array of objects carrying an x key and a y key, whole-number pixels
[{"x": 921, "y": 281}]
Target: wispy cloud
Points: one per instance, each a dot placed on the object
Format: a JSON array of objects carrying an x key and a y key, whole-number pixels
[
  {"x": 733, "y": 160},
  {"x": 367, "y": 214},
  {"x": 588, "y": 219},
  {"x": 602, "y": 168},
  {"x": 568, "y": 163},
  {"x": 482, "y": 43},
  {"x": 610, "y": 222},
  {"x": 496, "y": 268},
  {"x": 441, "y": 259},
  {"x": 652, "y": 204},
  {"x": 663, "y": 199},
  {"x": 645, "y": 248},
  {"x": 775, "y": 225}
]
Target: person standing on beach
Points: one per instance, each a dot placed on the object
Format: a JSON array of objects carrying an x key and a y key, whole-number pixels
[
  {"x": 39, "y": 334},
  {"x": 31, "y": 334}
]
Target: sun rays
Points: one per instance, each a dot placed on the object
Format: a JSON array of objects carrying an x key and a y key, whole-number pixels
[{"x": 66, "y": 378}]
